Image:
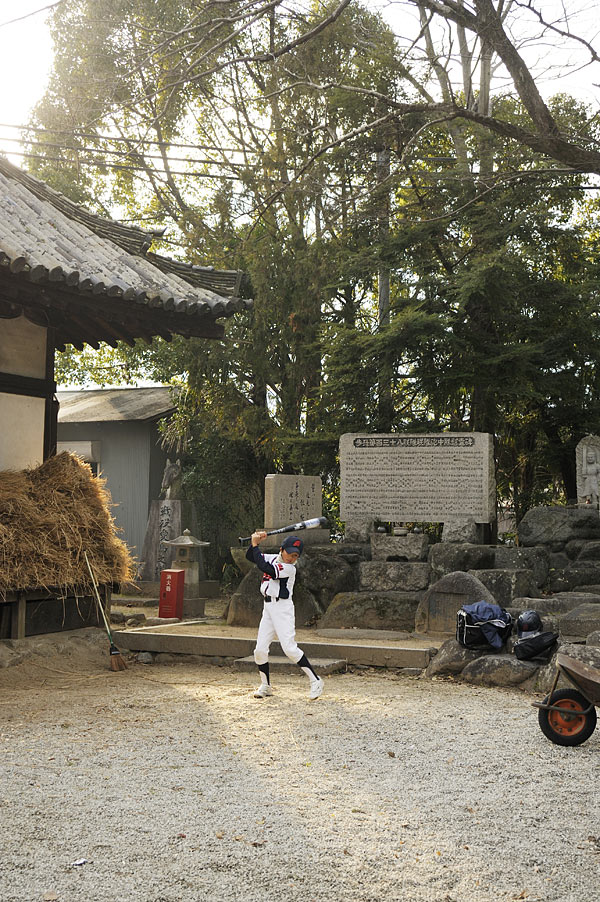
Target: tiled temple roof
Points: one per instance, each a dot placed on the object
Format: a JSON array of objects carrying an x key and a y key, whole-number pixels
[{"x": 92, "y": 278}]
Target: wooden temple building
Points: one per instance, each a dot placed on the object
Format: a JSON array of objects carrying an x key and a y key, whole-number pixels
[{"x": 68, "y": 276}]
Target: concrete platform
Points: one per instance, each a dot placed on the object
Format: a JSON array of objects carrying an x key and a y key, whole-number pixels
[
  {"x": 284, "y": 665},
  {"x": 353, "y": 634},
  {"x": 207, "y": 640}
]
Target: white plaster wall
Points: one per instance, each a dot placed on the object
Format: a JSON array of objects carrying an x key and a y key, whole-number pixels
[
  {"x": 22, "y": 432},
  {"x": 22, "y": 348}
]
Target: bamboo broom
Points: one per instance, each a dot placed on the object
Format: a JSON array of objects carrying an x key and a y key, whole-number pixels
[{"x": 117, "y": 661}]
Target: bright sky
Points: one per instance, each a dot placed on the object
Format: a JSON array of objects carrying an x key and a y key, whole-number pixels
[{"x": 25, "y": 60}]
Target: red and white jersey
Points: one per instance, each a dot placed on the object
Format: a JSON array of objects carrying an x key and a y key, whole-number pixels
[
  {"x": 278, "y": 577},
  {"x": 281, "y": 586}
]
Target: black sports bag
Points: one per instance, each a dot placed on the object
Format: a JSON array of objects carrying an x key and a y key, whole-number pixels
[{"x": 541, "y": 647}]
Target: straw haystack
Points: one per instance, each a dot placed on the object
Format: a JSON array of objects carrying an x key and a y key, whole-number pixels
[{"x": 49, "y": 516}]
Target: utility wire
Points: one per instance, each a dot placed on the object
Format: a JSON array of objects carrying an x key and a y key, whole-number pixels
[
  {"x": 114, "y": 138},
  {"x": 124, "y": 153},
  {"x": 120, "y": 167}
]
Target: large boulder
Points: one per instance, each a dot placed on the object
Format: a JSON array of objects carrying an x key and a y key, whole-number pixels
[
  {"x": 505, "y": 585},
  {"x": 558, "y": 525},
  {"x": 412, "y": 547},
  {"x": 590, "y": 551},
  {"x": 536, "y": 559},
  {"x": 558, "y": 560},
  {"x": 498, "y": 670},
  {"x": 580, "y": 622},
  {"x": 447, "y": 558},
  {"x": 240, "y": 560},
  {"x": 586, "y": 654},
  {"x": 437, "y": 611},
  {"x": 560, "y": 603},
  {"x": 325, "y": 574},
  {"x": 388, "y": 576},
  {"x": 372, "y": 610},
  {"x": 246, "y": 604},
  {"x": 586, "y": 573},
  {"x": 452, "y": 658},
  {"x": 461, "y": 531},
  {"x": 574, "y": 547}
]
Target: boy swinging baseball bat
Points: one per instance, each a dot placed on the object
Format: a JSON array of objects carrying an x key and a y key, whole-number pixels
[{"x": 278, "y": 616}]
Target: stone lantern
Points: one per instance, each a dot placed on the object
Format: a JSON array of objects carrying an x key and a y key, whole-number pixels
[{"x": 187, "y": 555}]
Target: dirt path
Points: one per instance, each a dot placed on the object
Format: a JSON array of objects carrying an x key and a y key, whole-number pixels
[{"x": 172, "y": 784}]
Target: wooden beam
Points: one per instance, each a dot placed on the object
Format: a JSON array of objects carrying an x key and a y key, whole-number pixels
[
  {"x": 26, "y": 385},
  {"x": 135, "y": 319}
]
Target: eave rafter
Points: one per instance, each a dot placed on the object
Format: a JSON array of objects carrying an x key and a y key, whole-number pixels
[{"x": 84, "y": 318}]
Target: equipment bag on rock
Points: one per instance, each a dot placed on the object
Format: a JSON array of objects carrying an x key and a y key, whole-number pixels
[
  {"x": 540, "y": 647},
  {"x": 483, "y": 625}
]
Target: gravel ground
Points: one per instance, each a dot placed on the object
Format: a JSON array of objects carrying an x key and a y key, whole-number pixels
[{"x": 175, "y": 785}]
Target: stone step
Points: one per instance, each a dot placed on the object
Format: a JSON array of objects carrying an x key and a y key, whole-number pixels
[
  {"x": 281, "y": 664},
  {"x": 171, "y": 640}
]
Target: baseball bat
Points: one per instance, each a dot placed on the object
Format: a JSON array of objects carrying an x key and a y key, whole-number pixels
[{"x": 293, "y": 527}]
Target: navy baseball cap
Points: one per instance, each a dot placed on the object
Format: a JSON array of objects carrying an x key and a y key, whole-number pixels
[{"x": 293, "y": 545}]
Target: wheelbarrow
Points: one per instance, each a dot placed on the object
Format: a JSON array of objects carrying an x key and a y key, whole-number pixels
[{"x": 568, "y": 716}]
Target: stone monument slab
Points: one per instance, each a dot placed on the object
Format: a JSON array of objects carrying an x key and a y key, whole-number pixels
[
  {"x": 420, "y": 477},
  {"x": 290, "y": 499},
  {"x": 167, "y": 520}
]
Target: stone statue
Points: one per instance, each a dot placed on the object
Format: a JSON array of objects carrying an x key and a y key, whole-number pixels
[
  {"x": 171, "y": 483},
  {"x": 590, "y": 477},
  {"x": 588, "y": 471}
]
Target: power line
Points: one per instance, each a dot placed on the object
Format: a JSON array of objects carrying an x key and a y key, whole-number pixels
[
  {"x": 123, "y": 153},
  {"x": 166, "y": 144},
  {"x": 122, "y": 168}
]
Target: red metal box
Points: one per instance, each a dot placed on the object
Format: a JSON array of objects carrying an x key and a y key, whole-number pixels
[{"x": 171, "y": 593}]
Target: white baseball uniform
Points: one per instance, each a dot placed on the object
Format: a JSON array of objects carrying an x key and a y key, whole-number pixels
[{"x": 278, "y": 617}]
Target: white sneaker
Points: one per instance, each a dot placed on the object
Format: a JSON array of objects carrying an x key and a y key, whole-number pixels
[
  {"x": 263, "y": 691},
  {"x": 316, "y": 688}
]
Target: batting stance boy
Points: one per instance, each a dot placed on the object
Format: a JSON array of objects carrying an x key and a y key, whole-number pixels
[{"x": 278, "y": 620}]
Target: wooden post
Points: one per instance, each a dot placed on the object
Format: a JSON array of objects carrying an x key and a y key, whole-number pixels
[
  {"x": 51, "y": 411},
  {"x": 18, "y": 609}
]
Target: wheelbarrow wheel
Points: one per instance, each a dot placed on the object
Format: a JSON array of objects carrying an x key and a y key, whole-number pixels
[{"x": 568, "y": 726}]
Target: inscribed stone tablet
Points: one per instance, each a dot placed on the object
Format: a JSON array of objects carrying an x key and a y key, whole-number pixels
[
  {"x": 423, "y": 477},
  {"x": 289, "y": 499}
]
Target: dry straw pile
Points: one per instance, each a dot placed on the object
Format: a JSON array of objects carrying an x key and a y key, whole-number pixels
[{"x": 49, "y": 516}]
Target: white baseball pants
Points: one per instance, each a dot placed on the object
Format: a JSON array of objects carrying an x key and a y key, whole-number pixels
[{"x": 278, "y": 621}]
